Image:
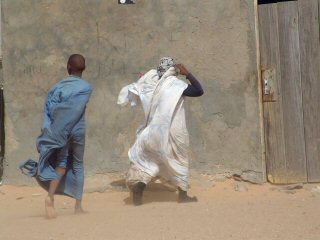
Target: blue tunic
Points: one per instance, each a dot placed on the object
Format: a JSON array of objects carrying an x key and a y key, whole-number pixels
[{"x": 62, "y": 134}]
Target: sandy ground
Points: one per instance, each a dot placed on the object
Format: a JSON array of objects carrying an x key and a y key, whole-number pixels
[{"x": 226, "y": 210}]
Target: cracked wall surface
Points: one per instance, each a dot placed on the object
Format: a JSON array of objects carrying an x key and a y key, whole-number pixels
[{"x": 214, "y": 39}]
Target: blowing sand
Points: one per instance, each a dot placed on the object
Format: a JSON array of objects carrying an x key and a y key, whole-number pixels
[{"x": 226, "y": 210}]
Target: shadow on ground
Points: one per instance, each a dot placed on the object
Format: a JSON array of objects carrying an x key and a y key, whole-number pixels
[{"x": 155, "y": 192}]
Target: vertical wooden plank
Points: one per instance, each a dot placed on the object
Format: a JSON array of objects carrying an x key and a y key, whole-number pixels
[
  {"x": 1, "y": 131},
  {"x": 288, "y": 24},
  {"x": 273, "y": 122},
  {"x": 309, "y": 62}
]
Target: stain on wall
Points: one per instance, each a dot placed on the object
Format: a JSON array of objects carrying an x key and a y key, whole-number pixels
[{"x": 214, "y": 39}]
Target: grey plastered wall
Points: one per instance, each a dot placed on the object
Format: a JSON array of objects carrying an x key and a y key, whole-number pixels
[{"x": 215, "y": 39}]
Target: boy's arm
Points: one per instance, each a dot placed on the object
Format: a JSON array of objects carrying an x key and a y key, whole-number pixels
[{"x": 194, "y": 89}]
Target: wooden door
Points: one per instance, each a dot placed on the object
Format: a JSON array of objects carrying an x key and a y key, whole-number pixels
[{"x": 289, "y": 49}]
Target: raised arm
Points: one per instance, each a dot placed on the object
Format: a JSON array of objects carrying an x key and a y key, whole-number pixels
[{"x": 194, "y": 89}]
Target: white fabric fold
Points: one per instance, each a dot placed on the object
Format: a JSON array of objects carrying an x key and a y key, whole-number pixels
[{"x": 162, "y": 142}]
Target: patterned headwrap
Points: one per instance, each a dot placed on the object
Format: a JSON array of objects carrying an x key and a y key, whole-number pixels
[{"x": 164, "y": 65}]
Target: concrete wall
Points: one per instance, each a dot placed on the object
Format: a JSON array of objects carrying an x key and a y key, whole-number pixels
[{"x": 215, "y": 39}]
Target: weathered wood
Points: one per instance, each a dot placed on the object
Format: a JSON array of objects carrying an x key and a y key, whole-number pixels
[
  {"x": 270, "y": 62},
  {"x": 1, "y": 133},
  {"x": 288, "y": 24},
  {"x": 290, "y": 60},
  {"x": 309, "y": 62}
]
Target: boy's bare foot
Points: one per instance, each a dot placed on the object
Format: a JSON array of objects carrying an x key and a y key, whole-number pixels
[
  {"x": 78, "y": 208},
  {"x": 79, "y": 211},
  {"x": 49, "y": 208}
]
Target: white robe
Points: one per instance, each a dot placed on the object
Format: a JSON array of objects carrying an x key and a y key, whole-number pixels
[{"x": 161, "y": 145}]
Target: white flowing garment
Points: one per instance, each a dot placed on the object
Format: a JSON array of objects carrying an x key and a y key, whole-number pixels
[{"x": 161, "y": 145}]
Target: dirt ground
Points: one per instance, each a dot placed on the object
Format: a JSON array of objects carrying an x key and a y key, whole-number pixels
[{"x": 226, "y": 210}]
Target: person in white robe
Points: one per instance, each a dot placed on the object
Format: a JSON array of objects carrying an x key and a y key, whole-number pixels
[{"x": 161, "y": 146}]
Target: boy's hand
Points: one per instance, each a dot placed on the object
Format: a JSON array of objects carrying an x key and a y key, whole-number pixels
[
  {"x": 182, "y": 69},
  {"x": 141, "y": 74}
]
